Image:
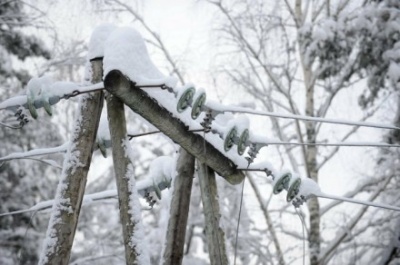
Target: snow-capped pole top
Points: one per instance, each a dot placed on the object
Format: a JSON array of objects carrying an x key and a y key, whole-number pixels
[
  {"x": 98, "y": 40},
  {"x": 125, "y": 50}
]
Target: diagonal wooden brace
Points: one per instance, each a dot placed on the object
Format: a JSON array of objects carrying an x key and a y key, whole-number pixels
[{"x": 140, "y": 102}]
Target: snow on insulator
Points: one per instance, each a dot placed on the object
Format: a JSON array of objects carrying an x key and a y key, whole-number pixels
[
  {"x": 242, "y": 122},
  {"x": 308, "y": 188},
  {"x": 185, "y": 97},
  {"x": 294, "y": 187},
  {"x": 39, "y": 87},
  {"x": 126, "y": 51},
  {"x": 98, "y": 39},
  {"x": 162, "y": 170},
  {"x": 236, "y": 132},
  {"x": 268, "y": 168},
  {"x": 199, "y": 99},
  {"x": 281, "y": 181},
  {"x": 36, "y": 84},
  {"x": 103, "y": 138}
]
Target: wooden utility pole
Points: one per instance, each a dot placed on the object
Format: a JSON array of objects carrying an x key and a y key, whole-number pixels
[
  {"x": 119, "y": 141},
  {"x": 140, "y": 102},
  {"x": 214, "y": 233},
  {"x": 179, "y": 210},
  {"x": 71, "y": 188}
]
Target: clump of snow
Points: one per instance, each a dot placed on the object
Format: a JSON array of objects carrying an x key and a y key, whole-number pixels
[
  {"x": 265, "y": 165},
  {"x": 61, "y": 88},
  {"x": 242, "y": 123},
  {"x": 103, "y": 132},
  {"x": 162, "y": 169},
  {"x": 180, "y": 90},
  {"x": 5, "y": 60},
  {"x": 126, "y": 51},
  {"x": 293, "y": 178},
  {"x": 39, "y": 85},
  {"x": 223, "y": 118},
  {"x": 309, "y": 188},
  {"x": 98, "y": 39},
  {"x": 394, "y": 72}
]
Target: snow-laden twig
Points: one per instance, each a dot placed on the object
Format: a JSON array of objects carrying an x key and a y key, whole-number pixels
[
  {"x": 10, "y": 126},
  {"x": 36, "y": 152},
  {"x": 361, "y": 187},
  {"x": 326, "y": 254},
  {"x": 87, "y": 200},
  {"x": 143, "y": 186}
]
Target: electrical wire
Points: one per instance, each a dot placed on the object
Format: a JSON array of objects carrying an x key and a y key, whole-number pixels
[
  {"x": 10, "y": 126},
  {"x": 306, "y": 118},
  {"x": 238, "y": 222},
  {"x": 304, "y": 236},
  {"x": 350, "y": 144}
]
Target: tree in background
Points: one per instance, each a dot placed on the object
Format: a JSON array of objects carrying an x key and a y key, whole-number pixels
[
  {"x": 300, "y": 57},
  {"x": 22, "y": 182}
]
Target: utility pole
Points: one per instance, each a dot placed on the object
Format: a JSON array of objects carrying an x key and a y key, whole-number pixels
[
  {"x": 214, "y": 233},
  {"x": 179, "y": 209},
  {"x": 71, "y": 188},
  {"x": 125, "y": 188}
]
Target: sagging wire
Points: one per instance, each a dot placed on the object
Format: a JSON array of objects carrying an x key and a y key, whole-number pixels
[
  {"x": 131, "y": 136},
  {"x": 238, "y": 222},
  {"x": 303, "y": 226},
  {"x": 350, "y": 144},
  {"x": 10, "y": 126},
  {"x": 307, "y": 118},
  {"x": 21, "y": 118}
]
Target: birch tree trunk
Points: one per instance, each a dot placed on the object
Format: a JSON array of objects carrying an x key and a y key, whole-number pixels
[
  {"x": 311, "y": 150},
  {"x": 71, "y": 188},
  {"x": 312, "y": 169}
]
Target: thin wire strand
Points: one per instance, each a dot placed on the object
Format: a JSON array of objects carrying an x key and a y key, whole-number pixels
[
  {"x": 306, "y": 118},
  {"x": 361, "y": 144},
  {"x": 10, "y": 126},
  {"x": 238, "y": 222},
  {"x": 304, "y": 236},
  {"x": 354, "y": 144},
  {"x": 131, "y": 136},
  {"x": 374, "y": 204}
]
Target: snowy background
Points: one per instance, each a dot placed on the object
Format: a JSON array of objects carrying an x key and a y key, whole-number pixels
[{"x": 328, "y": 59}]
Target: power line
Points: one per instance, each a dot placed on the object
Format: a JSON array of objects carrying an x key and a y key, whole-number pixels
[{"x": 220, "y": 108}]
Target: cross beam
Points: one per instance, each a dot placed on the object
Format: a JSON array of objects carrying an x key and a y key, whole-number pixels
[{"x": 140, "y": 102}]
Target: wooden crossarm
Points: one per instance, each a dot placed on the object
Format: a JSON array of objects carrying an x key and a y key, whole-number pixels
[{"x": 140, "y": 102}]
